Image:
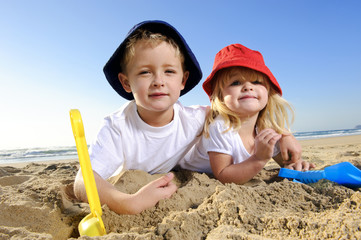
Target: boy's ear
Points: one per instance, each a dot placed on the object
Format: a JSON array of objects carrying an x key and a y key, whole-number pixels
[
  {"x": 185, "y": 78},
  {"x": 125, "y": 82}
]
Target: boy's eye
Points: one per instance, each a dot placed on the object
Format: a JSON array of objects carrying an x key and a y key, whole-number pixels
[
  {"x": 169, "y": 71},
  {"x": 143, "y": 72}
]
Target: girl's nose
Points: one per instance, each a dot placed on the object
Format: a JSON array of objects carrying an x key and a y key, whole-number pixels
[{"x": 247, "y": 86}]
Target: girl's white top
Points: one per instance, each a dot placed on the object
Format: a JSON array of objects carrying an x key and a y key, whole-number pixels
[{"x": 228, "y": 142}]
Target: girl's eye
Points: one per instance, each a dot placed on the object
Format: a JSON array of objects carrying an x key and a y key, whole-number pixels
[
  {"x": 169, "y": 71},
  {"x": 257, "y": 82},
  {"x": 236, "y": 83}
]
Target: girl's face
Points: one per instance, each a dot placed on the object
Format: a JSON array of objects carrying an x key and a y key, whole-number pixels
[{"x": 247, "y": 97}]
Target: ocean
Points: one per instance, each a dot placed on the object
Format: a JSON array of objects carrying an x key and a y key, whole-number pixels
[{"x": 65, "y": 153}]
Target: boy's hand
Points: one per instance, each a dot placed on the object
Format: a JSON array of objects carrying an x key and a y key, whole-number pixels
[
  {"x": 290, "y": 148},
  {"x": 300, "y": 165},
  {"x": 149, "y": 195},
  {"x": 265, "y": 142}
]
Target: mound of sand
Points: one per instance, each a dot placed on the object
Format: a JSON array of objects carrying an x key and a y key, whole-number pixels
[{"x": 37, "y": 203}]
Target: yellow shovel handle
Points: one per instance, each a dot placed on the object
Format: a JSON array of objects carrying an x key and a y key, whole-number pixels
[{"x": 86, "y": 168}]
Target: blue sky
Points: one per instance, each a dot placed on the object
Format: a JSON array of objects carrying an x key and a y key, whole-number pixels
[{"x": 52, "y": 54}]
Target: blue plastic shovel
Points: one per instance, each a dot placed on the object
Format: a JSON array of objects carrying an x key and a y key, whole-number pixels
[{"x": 343, "y": 173}]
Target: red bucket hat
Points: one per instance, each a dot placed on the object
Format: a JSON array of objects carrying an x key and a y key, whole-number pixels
[{"x": 238, "y": 55}]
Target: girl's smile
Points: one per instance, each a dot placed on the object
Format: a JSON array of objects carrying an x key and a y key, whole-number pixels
[{"x": 245, "y": 97}]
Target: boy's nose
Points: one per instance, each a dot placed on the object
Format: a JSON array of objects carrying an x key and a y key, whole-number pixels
[{"x": 158, "y": 81}]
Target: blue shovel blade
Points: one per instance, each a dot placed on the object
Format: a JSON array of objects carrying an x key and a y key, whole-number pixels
[
  {"x": 304, "y": 177},
  {"x": 342, "y": 173}
]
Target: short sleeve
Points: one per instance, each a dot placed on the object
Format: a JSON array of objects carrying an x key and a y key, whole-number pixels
[
  {"x": 219, "y": 139},
  {"x": 106, "y": 153}
]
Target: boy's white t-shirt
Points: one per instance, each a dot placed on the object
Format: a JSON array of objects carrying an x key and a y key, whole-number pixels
[
  {"x": 125, "y": 141},
  {"x": 221, "y": 141}
]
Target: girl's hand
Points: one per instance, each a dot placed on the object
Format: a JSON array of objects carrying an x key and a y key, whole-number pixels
[{"x": 265, "y": 142}]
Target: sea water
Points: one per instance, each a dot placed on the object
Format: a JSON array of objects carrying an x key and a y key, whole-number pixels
[
  {"x": 327, "y": 133},
  {"x": 64, "y": 153},
  {"x": 38, "y": 154}
]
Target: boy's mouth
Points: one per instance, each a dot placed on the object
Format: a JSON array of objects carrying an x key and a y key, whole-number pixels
[{"x": 158, "y": 94}]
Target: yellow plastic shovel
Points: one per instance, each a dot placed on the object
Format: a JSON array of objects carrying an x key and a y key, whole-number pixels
[{"x": 92, "y": 224}]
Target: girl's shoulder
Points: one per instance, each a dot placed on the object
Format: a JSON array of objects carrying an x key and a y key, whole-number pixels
[{"x": 219, "y": 124}]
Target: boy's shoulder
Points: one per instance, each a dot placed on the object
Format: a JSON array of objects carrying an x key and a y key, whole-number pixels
[
  {"x": 123, "y": 112},
  {"x": 194, "y": 110},
  {"x": 191, "y": 108}
]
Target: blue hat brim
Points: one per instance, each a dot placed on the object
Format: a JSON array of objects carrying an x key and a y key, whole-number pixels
[{"x": 113, "y": 67}]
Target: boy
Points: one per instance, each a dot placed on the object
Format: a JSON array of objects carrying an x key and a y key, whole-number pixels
[{"x": 152, "y": 67}]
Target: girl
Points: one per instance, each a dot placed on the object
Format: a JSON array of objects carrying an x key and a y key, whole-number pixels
[{"x": 248, "y": 117}]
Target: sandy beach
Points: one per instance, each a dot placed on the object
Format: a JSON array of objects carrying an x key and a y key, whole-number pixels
[{"x": 36, "y": 202}]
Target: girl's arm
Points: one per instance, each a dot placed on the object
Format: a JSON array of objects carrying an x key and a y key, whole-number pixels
[
  {"x": 224, "y": 169},
  {"x": 227, "y": 172}
]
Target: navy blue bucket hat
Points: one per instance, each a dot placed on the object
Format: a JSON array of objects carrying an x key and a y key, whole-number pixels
[{"x": 113, "y": 67}]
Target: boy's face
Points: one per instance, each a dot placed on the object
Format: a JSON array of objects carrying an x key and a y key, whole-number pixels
[{"x": 155, "y": 77}]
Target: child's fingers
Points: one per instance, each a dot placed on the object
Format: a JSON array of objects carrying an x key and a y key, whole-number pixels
[
  {"x": 276, "y": 137},
  {"x": 291, "y": 157},
  {"x": 311, "y": 165},
  {"x": 169, "y": 190},
  {"x": 263, "y": 134},
  {"x": 164, "y": 180},
  {"x": 285, "y": 155},
  {"x": 296, "y": 156},
  {"x": 268, "y": 136},
  {"x": 165, "y": 185},
  {"x": 301, "y": 166},
  {"x": 154, "y": 191}
]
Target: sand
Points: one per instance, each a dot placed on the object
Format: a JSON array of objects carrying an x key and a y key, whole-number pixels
[{"x": 36, "y": 203}]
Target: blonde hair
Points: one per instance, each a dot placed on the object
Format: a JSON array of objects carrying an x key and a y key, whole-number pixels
[
  {"x": 154, "y": 39},
  {"x": 275, "y": 115}
]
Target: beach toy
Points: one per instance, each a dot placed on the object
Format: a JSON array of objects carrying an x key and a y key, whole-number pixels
[
  {"x": 343, "y": 173},
  {"x": 92, "y": 224}
]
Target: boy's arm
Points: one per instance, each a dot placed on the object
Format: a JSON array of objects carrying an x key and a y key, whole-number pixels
[
  {"x": 290, "y": 154},
  {"x": 123, "y": 203},
  {"x": 290, "y": 148},
  {"x": 299, "y": 165}
]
